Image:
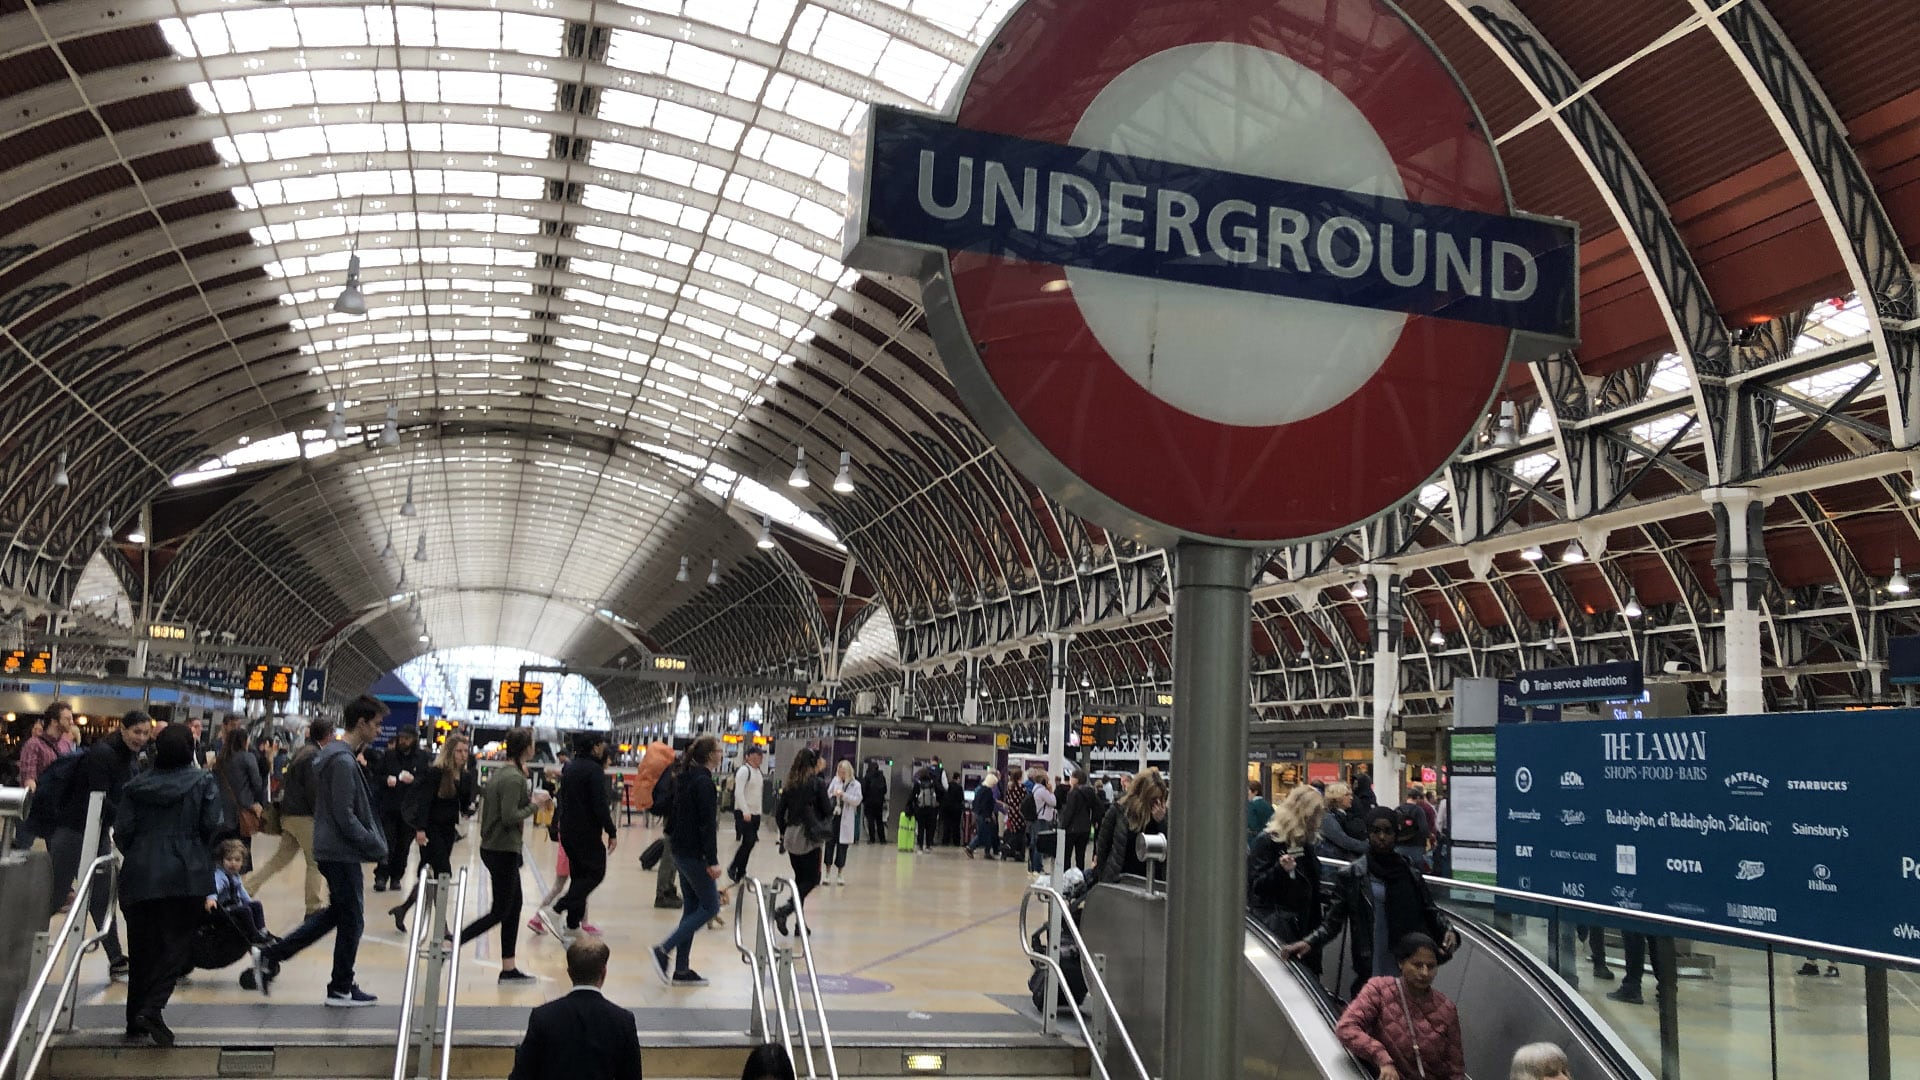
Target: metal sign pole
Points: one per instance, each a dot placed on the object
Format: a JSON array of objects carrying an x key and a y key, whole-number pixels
[{"x": 1205, "y": 909}]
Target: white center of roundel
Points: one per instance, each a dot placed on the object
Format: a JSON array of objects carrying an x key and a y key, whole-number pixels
[{"x": 1233, "y": 357}]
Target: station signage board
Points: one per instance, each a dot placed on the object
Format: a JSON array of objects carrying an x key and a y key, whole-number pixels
[
  {"x": 177, "y": 632},
  {"x": 1154, "y": 296},
  {"x": 26, "y": 662},
  {"x": 1776, "y": 823},
  {"x": 479, "y": 694},
  {"x": 805, "y": 707},
  {"x": 268, "y": 682},
  {"x": 519, "y": 698},
  {"x": 661, "y": 662},
  {"x": 1100, "y": 730},
  {"x": 1589, "y": 682}
]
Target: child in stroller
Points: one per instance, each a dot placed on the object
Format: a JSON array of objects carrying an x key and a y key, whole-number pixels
[{"x": 236, "y": 924}]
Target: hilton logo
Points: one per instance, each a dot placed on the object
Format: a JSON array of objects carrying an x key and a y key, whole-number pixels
[{"x": 1822, "y": 880}]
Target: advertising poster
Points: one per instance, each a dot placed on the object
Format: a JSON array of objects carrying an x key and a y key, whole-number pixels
[{"x": 1788, "y": 823}]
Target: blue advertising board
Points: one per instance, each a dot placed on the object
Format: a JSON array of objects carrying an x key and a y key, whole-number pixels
[
  {"x": 1783, "y": 823},
  {"x": 1588, "y": 682}
]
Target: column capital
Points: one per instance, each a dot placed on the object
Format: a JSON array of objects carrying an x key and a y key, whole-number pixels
[{"x": 1733, "y": 497}]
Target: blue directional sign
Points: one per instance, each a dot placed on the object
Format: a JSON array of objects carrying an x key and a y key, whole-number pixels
[
  {"x": 313, "y": 684},
  {"x": 1590, "y": 682},
  {"x": 1777, "y": 823}
]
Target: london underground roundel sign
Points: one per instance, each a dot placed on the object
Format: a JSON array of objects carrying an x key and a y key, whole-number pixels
[{"x": 1245, "y": 272}]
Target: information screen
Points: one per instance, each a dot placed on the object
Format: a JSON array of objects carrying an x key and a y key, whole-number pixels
[
  {"x": 521, "y": 698},
  {"x": 1100, "y": 731},
  {"x": 268, "y": 682},
  {"x": 26, "y": 662}
]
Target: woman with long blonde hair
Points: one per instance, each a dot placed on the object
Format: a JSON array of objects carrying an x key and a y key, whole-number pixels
[
  {"x": 1283, "y": 872},
  {"x": 844, "y": 796}
]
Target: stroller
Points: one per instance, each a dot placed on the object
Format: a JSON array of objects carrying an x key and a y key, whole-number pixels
[
  {"x": 1073, "y": 993},
  {"x": 227, "y": 935}
]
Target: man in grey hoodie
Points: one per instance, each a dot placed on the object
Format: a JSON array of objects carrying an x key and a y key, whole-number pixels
[{"x": 345, "y": 835}]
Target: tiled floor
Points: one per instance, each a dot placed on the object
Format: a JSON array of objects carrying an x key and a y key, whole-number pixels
[{"x": 910, "y": 940}]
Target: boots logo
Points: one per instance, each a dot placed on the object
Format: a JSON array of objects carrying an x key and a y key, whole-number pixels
[
  {"x": 1747, "y": 783},
  {"x": 1523, "y": 779},
  {"x": 1570, "y": 781},
  {"x": 1822, "y": 880},
  {"x": 1750, "y": 870}
]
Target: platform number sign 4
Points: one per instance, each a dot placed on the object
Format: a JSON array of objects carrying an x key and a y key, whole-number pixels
[
  {"x": 1254, "y": 315},
  {"x": 313, "y": 684}
]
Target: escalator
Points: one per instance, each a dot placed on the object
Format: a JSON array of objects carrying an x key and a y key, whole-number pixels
[{"x": 1506, "y": 998}]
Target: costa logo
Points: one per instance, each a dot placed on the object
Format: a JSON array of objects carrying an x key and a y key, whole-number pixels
[
  {"x": 1103, "y": 233},
  {"x": 1686, "y": 866}
]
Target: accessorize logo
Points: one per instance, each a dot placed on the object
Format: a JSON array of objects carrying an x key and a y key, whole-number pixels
[
  {"x": 1822, "y": 880},
  {"x": 1570, "y": 781},
  {"x": 1523, "y": 851},
  {"x": 1523, "y": 779},
  {"x": 1686, "y": 866},
  {"x": 1626, "y": 860},
  {"x": 1523, "y": 815},
  {"x": 1907, "y": 932},
  {"x": 1573, "y": 817},
  {"x": 1750, "y": 870},
  {"x": 1816, "y": 785},
  {"x": 1747, "y": 783}
]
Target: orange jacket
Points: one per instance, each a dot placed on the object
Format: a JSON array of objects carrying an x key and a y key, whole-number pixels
[{"x": 652, "y": 764}]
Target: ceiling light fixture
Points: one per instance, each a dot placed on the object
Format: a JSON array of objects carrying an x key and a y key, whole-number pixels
[
  {"x": 386, "y": 549},
  {"x": 1506, "y": 431},
  {"x": 60, "y": 477},
  {"x": 1574, "y": 553},
  {"x": 351, "y": 300},
  {"x": 766, "y": 535},
  {"x": 683, "y": 575},
  {"x": 1897, "y": 584},
  {"x": 424, "y": 639},
  {"x": 798, "y": 478},
  {"x": 337, "y": 425},
  {"x": 713, "y": 573},
  {"x": 138, "y": 537},
  {"x": 1437, "y": 638},
  {"x": 1532, "y": 553},
  {"x": 1632, "y": 610},
  {"x": 390, "y": 434},
  {"x": 1358, "y": 590},
  {"x": 106, "y": 531},
  {"x": 420, "y": 549},
  {"x": 406, "y": 508},
  {"x": 843, "y": 480}
]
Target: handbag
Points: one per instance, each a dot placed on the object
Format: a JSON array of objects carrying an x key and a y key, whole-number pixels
[
  {"x": 797, "y": 840},
  {"x": 246, "y": 818}
]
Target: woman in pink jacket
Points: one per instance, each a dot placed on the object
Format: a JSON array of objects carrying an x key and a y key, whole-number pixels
[{"x": 1402, "y": 1024}]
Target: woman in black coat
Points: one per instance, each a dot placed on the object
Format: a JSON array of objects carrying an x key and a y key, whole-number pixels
[
  {"x": 242, "y": 787},
  {"x": 803, "y": 803},
  {"x": 432, "y": 809},
  {"x": 1283, "y": 871},
  {"x": 1409, "y": 906},
  {"x": 1143, "y": 809},
  {"x": 168, "y": 819}
]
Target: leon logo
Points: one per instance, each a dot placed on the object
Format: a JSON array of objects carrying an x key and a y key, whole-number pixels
[
  {"x": 1750, "y": 870},
  {"x": 1747, "y": 783},
  {"x": 1822, "y": 880},
  {"x": 1571, "y": 781},
  {"x": 1523, "y": 779}
]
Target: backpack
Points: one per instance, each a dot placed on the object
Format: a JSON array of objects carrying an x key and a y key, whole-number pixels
[
  {"x": 1029, "y": 809},
  {"x": 666, "y": 792},
  {"x": 54, "y": 789},
  {"x": 925, "y": 797}
]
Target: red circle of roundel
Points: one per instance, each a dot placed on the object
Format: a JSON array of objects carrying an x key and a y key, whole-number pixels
[{"x": 1284, "y": 482}]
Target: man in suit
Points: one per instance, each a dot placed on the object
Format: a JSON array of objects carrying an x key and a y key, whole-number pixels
[{"x": 582, "y": 1036}]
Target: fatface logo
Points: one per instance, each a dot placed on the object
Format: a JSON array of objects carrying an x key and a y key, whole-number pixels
[
  {"x": 1523, "y": 779},
  {"x": 1626, "y": 860},
  {"x": 1750, "y": 870},
  {"x": 1523, "y": 851},
  {"x": 1822, "y": 880},
  {"x": 1573, "y": 817},
  {"x": 1570, "y": 781},
  {"x": 1685, "y": 866},
  {"x": 1747, "y": 783}
]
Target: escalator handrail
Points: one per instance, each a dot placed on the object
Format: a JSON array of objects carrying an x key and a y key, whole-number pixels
[
  {"x": 453, "y": 973},
  {"x": 751, "y": 956},
  {"x": 1052, "y": 896},
  {"x": 1328, "y": 1005},
  {"x": 813, "y": 983},
  {"x": 76, "y": 913},
  {"x": 1680, "y": 926},
  {"x": 414, "y": 937}
]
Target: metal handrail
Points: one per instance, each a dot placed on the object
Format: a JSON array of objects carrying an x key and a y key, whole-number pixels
[
  {"x": 751, "y": 957},
  {"x": 813, "y": 986},
  {"x": 1691, "y": 926},
  {"x": 453, "y": 975},
  {"x": 109, "y": 862},
  {"x": 1052, "y": 896},
  {"x": 414, "y": 936}
]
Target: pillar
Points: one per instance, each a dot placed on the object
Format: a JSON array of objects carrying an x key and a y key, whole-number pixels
[
  {"x": 1057, "y": 704},
  {"x": 1740, "y": 566},
  {"x": 1389, "y": 762},
  {"x": 1206, "y": 907},
  {"x": 970, "y": 697}
]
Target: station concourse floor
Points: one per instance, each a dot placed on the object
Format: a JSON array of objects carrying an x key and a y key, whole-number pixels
[{"x": 911, "y": 944}]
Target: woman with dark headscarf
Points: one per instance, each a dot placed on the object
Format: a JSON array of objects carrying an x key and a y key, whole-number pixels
[
  {"x": 1379, "y": 899},
  {"x": 168, "y": 818}
]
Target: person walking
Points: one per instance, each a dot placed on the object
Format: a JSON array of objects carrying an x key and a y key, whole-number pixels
[
  {"x": 1378, "y": 899},
  {"x": 655, "y": 760},
  {"x": 802, "y": 816},
  {"x": 171, "y": 815},
  {"x": 394, "y": 774},
  {"x": 1401, "y": 1023},
  {"x": 844, "y": 796},
  {"x": 106, "y": 768},
  {"x": 433, "y": 811},
  {"x": 50, "y": 740},
  {"x": 505, "y": 805},
  {"x": 693, "y": 841},
  {"x": 749, "y": 799},
  {"x": 1143, "y": 809},
  {"x": 986, "y": 817},
  {"x": 926, "y": 808},
  {"x": 873, "y": 800},
  {"x": 1077, "y": 816},
  {"x": 346, "y": 835},
  {"x": 586, "y": 814},
  {"x": 296, "y": 820},
  {"x": 243, "y": 791},
  {"x": 582, "y": 1036},
  {"x": 1283, "y": 873}
]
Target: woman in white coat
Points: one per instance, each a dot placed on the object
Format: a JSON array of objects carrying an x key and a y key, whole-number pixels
[{"x": 844, "y": 794}]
